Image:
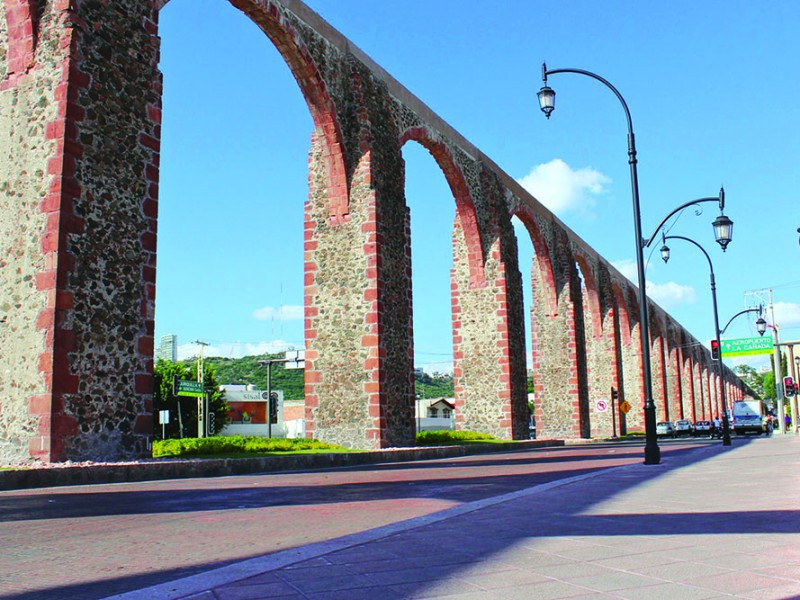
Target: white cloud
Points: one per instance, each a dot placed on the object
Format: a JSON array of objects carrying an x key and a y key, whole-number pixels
[
  {"x": 671, "y": 294},
  {"x": 235, "y": 349},
  {"x": 667, "y": 295},
  {"x": 787, "y": 314},
  {"x": 562, "y": 189},
  {"x": 436, "y": 367},
  {"x": 628, "y": 268},
  {"x": 287, "y": 312}
]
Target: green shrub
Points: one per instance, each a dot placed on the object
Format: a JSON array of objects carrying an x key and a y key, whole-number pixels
[
  {"x": 447, "y": 436},
  {"x": 237, "y": 444}
]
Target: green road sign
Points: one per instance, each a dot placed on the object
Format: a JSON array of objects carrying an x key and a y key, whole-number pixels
[
  {"x": 747, "y": 346},
  {"x": 190, "y": 388}
]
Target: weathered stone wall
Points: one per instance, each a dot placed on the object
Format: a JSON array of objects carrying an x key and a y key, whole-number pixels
[
  {"x": 27, "y": 105},
  {"x": 601, "y": 348},
  {"x": 689, "y": 400},
  {"x": 559, "y": 358},
  {"x": 90, "y": 91}
]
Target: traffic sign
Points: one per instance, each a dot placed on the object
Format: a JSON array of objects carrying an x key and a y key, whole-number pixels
[
  {"x": 295, "y": 359},
  {"x": 747, "y": 346},
  {"x": 625, "y": 407},
  {"x": 190, "y": 388},
  {"x": 601, "y": 406}
]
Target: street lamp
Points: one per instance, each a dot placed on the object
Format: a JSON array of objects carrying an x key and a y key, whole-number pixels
[
  {"x": 726, "y": 431},
  {"x": 761, "y": 324},
  {"x": 547, "y": 97}
]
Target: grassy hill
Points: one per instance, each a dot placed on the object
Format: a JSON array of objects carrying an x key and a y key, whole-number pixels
[{"x": 246, "y": 371}]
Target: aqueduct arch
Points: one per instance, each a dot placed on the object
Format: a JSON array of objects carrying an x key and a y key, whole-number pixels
[{"x": 80, "y": 113}]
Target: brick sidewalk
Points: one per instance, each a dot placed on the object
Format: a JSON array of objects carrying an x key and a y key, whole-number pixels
[{"x": 714, "y": 523}]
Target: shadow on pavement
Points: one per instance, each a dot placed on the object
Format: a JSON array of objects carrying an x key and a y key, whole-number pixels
[{"x": 562, "y": 520}]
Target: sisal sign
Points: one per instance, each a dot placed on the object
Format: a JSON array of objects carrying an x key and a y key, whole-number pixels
[{"x": 746, "y": 346}]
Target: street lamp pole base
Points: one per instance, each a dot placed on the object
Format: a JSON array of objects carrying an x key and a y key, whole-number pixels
[{"x": 652, "y": 454}]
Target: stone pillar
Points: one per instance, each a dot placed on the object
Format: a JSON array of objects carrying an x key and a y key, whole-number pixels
[
  {"x": 674, "y": 383},
  {"x": 688, "y": 402},
  {"x": 632, "y": 365},
  {"x": 359, "y": 356},
  {"x": 80, "y": 122},
  {"x": 559, "y": 356},
  {"x": 489, "y": 340},
  {"x": 602, "y": 349},
  {"x": 658, "y": 374},
  {"x": 604, "y": 372}
]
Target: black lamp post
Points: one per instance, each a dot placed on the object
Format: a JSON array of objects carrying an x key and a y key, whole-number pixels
[
  {"x": 547, "y": 97},
  {"x": 726, "y": 431}
]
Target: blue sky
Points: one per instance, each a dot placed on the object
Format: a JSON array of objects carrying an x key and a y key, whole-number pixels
[{"x": 712, "y": 88}]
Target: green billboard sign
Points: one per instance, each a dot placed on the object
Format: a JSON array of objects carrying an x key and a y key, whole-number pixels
[
  {"x": 190, "y": 388},
  {"x": 746, "y": 346}
]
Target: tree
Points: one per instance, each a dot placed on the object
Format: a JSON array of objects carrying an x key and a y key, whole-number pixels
[
  {"x": 769, "y": 385},
  {"x": 183, "y": 409},
  {"x": 752, "y": 378}
]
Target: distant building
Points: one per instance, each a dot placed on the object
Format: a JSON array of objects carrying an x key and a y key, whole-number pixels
[
  {"x": 435, "y": 413},
  {"x": 168, "y": 348}
]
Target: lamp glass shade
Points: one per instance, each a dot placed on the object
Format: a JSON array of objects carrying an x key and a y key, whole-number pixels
[
  {"x": 761, "y": 325},
  {"x": 723, "y": 231},
  {"x": 547, "y": 100},
  {"x": 665, "y": 253}
]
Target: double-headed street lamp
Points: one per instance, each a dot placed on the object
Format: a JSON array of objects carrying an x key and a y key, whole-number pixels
[
  {"x": 547, "y": 98},
  {"x": 722, "y": 226},
  {"x": 761, "y": 324},
  {"x": 726, "y": 430}
]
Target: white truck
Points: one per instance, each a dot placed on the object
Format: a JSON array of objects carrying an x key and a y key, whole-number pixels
[{"x": 748, "y": 417}]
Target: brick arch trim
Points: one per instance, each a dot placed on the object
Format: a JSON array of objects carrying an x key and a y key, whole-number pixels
[
  {"x": 21, "y": 26},
  {"x": 465, "y": 206},
  {"x": 622, "y": 311},
  {"x": 543, "y": 256},
  {"x": 267, "y": 16},
  {"x": 590, "y": 282}
]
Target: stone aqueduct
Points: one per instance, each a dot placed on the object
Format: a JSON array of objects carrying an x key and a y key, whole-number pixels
[{"x": 80, "y": 113}]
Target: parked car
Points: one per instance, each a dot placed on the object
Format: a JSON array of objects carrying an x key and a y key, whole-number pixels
[
  {"x": 665, "y": 428},
  {"x": 703, "y": 428},
  {"x": 683, "y": 427}
]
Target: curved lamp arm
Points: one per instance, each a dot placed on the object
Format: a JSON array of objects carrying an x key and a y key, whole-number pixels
[
  {"x": 759, "y": 310},
  {"x": 605, "y": 82},
  {"x": 703, "y": 250},
  {"x": 720, "y": 200}
]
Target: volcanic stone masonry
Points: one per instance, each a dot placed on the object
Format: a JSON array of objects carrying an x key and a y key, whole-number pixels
[{"x": 80, "y": 129}]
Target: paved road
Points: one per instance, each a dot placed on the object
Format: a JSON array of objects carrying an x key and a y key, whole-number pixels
[{"x": 94, "y": 541}]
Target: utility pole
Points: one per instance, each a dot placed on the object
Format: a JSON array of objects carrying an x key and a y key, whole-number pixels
[
  {"x": 778, "y": 369},
  {"x": 202, "y": 403}
]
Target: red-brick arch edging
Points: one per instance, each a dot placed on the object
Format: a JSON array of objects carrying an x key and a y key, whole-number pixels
[
  {"x": 465, "y": 206},
  {"x": 268, "y": 17},
  {"x": 542, "y": 254}
]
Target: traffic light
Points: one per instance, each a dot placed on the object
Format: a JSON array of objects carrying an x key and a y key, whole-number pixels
[
  {"x": 789, "y": 388},
  {"x": 714, "y": 350},
  {"x": 273, "y": 407},
  {"x": 175, "y": 385},
  {"x": 614, "y": 393}
]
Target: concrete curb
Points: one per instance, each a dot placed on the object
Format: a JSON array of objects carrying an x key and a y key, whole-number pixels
[{"x": 151, "y": 470}]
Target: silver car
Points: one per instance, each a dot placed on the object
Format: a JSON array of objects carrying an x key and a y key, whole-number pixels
[
  {"x": 683, "y": 427},
  {"x": 665, "y": 428}
]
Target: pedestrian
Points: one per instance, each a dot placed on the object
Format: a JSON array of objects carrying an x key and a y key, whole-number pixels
[
  {"x": 788, "y": 420},
  {"x": 716, "y": 432}
]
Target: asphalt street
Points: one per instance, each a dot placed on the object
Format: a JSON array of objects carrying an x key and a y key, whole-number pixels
[{"x": 99, "y": 540}]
